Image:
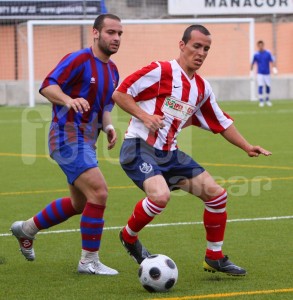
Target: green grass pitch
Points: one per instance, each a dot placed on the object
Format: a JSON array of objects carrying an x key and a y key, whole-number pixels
[{"x": 260, "y": 213}]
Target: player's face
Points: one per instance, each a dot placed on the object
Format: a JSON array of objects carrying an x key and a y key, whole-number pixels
[
  {"x": 108, "y": 40},
  {"x": 260, "y": 46},
  {"x": 195, "y": 51}
]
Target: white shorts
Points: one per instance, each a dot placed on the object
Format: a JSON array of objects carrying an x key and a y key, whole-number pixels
[{"x": 263, "y": 80}]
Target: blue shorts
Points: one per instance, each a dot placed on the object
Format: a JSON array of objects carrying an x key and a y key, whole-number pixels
[
  {"x": 141, "y": 161},
  {"x": 74, "y": 159}
]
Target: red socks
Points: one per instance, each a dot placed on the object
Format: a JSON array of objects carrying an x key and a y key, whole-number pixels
[
  {"x": 144, "y": 212},
  {"x": 215, "y": 218},
  {"x": 54, "y": 213},
  {"x": 91, "y": 226}
]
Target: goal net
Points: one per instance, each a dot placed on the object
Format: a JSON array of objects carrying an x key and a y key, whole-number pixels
[{"x": 143, "y": 41}]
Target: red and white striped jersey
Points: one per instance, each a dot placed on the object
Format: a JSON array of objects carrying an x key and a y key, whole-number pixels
[{"x": 164, "y": 89}]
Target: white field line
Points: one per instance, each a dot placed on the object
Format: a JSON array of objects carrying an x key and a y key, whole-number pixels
[{"x": 165, "y": 225}]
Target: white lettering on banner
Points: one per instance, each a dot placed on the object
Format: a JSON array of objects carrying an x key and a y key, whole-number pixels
[
  {"x": 226, "y": 7},
  {"x": 239, "y": 3},
  {"x": 177, "y": 109}
]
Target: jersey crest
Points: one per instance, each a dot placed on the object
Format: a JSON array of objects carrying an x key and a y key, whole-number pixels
[{"x": 145, "y": 168}]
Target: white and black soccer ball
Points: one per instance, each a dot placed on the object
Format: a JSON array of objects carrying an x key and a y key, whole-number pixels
[{"x": 158, "y": 273}]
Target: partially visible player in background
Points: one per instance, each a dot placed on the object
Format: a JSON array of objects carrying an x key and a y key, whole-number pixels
[
  {"x": 80, "y": 89},
  {"x": 265, "y": 61},
  {"x": 163, "y": 98}
]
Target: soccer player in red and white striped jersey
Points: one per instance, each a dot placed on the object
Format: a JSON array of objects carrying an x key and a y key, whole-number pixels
[{"x": 163, "y": 98}]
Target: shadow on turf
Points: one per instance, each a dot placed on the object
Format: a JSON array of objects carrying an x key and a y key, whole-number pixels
[
  {"x": 2, "y": 260},
  {"x": 222, "y": 277}
]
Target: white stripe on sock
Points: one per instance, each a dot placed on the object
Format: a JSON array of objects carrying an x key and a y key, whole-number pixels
[
  {"x": 215, "y": 246},
  {"x": 130, "y": 232},
  {"x": 150, "y": 208}
]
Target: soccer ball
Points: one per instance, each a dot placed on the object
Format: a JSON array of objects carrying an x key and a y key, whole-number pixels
[{"x": 158, "y": 273}]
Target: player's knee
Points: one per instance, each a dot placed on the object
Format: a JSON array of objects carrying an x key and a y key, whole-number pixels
[
  {"x": 161, "y": 198},
  {"x": 99, "y": 195},
  {"x": 220, "y": 192},
  {"x": 217, "y": 203},
  {"x": 211, "y": 191},
  {"x": 268, "y": 89},
  {"x": 103, "y": 196}
]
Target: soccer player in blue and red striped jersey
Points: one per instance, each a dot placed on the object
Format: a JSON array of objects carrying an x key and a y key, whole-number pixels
[
  {"x": 80, "y": 89},
  {"x": 163, "y": 98}
]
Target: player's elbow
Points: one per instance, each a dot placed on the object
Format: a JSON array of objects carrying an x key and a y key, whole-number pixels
[{"x": 117, "y": 97}]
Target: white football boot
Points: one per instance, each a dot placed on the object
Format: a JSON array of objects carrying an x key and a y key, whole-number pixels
[
  {"x": 95, "y": 267},
  {"x": 25, "y": 241}
]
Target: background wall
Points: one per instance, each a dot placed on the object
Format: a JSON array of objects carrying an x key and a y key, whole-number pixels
[{"x": 227, "y": 65}]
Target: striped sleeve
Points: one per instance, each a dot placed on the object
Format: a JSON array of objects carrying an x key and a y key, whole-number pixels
[
  {"x": 142, "y": 84},
  {"x": 66, "y": 72},
  {"x": 210, "y": 116}
]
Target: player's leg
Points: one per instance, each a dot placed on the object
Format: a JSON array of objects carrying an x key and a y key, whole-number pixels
[
  {"x": 138, "y": 161},
  {"x": 157, "y": 196},
  {"x": 92, "y": 185},
  {"x": 214, "y": 198},
  {"x": 54, "y": 213},
  {"x": 260, "y": 83},
  {"x": 89, "y": 193},
  {"x": 57, "y": 211},
  {"x": 267, "y": 80}
]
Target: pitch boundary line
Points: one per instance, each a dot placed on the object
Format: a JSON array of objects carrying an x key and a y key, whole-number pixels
[
  {"x": 166, "y": 225},
  {"x": 225, "y": 295}
]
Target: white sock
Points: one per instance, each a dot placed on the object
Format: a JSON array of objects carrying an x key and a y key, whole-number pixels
[
  {"x": 29, "y": 227},
  {"x": 89, "y": 256}
]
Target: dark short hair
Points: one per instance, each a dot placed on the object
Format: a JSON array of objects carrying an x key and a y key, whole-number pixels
[
  {"x": 99, "y": 21},
  {"x": 260, "y": 42},
  {"x": 187, "y": 33}
]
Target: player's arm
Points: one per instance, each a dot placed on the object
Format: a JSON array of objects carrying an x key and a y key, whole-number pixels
[
  {"x": 56, "y": 96},
  {"x": 251, "y": 67},
  {"x": 252, "y": 63},
  {"x": 109, "y": 129},
  {"x": 274, "y": 67},
  {"x": 128, "y": 104},
  {"x": 232, "y": 135}
]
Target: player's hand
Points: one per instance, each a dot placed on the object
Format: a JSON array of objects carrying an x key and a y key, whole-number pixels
[
  {"x": 255, "y": 151},
  {"x": 112, "y": 138},
  {"x": 154, "y": 122},
  {"x": 79, "y": 105},
  {"x": 251, "y": 74},
  {"x": 275, "y": 71}
]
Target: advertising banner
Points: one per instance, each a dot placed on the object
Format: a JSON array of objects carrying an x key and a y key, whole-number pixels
[
  {"x": 228, "y": 7},
  {"x": 35, "y": 9}
]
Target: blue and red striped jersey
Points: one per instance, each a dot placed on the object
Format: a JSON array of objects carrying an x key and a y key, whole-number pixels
[{"x": 81, "y": 74}]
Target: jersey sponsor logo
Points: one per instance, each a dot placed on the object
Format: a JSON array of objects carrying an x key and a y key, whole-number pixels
[
  {"x": 177, "y": 109},
  {"x": 145, "y": 168},
  {"x": 176, "y": 86},
  {"x": 93, "y": 80}
]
